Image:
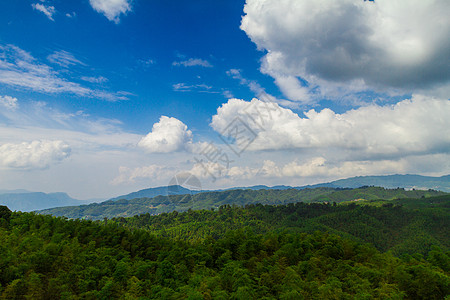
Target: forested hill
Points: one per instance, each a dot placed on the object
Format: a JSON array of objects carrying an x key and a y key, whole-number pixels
[
  {"x": 207, "y": 200},
  {"x": 401, "y": 226},
  {"x": 43, "y": 257}
]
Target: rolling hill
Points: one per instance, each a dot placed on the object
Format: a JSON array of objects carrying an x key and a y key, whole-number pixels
[{"x": 208, "y": 200}]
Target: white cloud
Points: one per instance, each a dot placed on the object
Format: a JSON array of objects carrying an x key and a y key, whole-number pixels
[
  {"x": 183, "y": 87},
  {"x": 192, "y": 62},
  {"x": 99, "y": 79},
  {"x": 418, "y": 125},
  {"x": 146, "y": 62},
  {"x": 48, "y": 10},
  {"x": 9, "y": 102},
  {"x": 259, "y": 91},
  {"x": 168, "y": 135},
  {"x": 19, "y": 68},
  {"x": 340, "y": 47},
  {"x": 33, "y": 155},
  {"x": 111, "y": 9},
  {"x": 64, "y": 59},
  {"x": 40, "y": 121}
]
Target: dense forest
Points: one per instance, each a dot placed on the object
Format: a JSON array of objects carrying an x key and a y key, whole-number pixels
[
  {"x": 254, "y": 252},
  {"x": 402, "y": 225},
  {"x": 206, "y": 200}
]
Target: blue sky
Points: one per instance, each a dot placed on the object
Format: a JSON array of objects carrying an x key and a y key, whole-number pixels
[{"x": 103, "y": 97}]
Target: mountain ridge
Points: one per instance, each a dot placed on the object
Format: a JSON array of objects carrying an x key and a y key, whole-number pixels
[
  {"x": 215, "y": 199},
  {"x": 30, "y": 201},
  {"x": 407, "y": 181}
]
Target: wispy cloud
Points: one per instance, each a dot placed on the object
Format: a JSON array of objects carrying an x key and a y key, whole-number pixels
[
  {"x": 48, "y": 10},
  {"x": 99, "y": 79},
  {"x": 19, "y": 68},
  {"x": 127, "y": 175},
  {"x": 146, "y": 62},
  {"x": 192, "y": 62},
  {"x": 183, "y": 87},
  {"x": 64, "y": 59},
  {"x": 258, "y": 90}
]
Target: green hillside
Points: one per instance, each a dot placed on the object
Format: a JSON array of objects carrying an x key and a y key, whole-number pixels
[
  {"x": 395, "y": 225},
  {"x": 207, "y": 200}
]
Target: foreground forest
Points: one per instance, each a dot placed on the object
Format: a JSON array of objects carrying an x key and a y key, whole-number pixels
[{"x": 253, "y": 252}]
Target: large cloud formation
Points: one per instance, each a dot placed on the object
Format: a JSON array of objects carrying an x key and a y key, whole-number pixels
[
  {"x": 348, "y": 46},
  {"x": 33, "y": 155},
  {"x": 415, "y": 126},
  {"x": 168, "y": 135}
]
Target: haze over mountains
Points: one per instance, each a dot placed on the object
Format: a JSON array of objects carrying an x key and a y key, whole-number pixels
[{"x": 23, "y": 200}]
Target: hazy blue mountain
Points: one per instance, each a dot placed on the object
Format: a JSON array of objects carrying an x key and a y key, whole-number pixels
[
  {"x": 19, "y": 191},
  {"x": 31, "y": 201},
  {"x": 388, "y": 181},
  {"x": 393, "y": 181},
  {"x": 260, "y": 187},
  {"x": 157, "y": 191}
]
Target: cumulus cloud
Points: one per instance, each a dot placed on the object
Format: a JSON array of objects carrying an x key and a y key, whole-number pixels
[
  {"x": 33, "y": 155},
  {"x": 19, "y": 68},
  {"x": 168, "y": 135},
  {"x": 9, "y": 102},
  {"x": 417, "y": 125},
  {"x": 47, "y": 10},
  {"x": 338, "y": 47},
  {"x": 111, "y": 9},
  {"x": 192, "y": 62}
]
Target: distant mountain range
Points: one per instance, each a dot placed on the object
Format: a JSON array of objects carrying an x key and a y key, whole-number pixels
[
  {"x": 24, "y": 200},
  {"x": 30, "y": 201},
  {"x": 207, "y": 200},
  {"x": 408, "y": 182}
]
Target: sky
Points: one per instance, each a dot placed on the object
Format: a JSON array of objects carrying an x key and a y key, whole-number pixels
[{"x": 100, "y": 98}]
